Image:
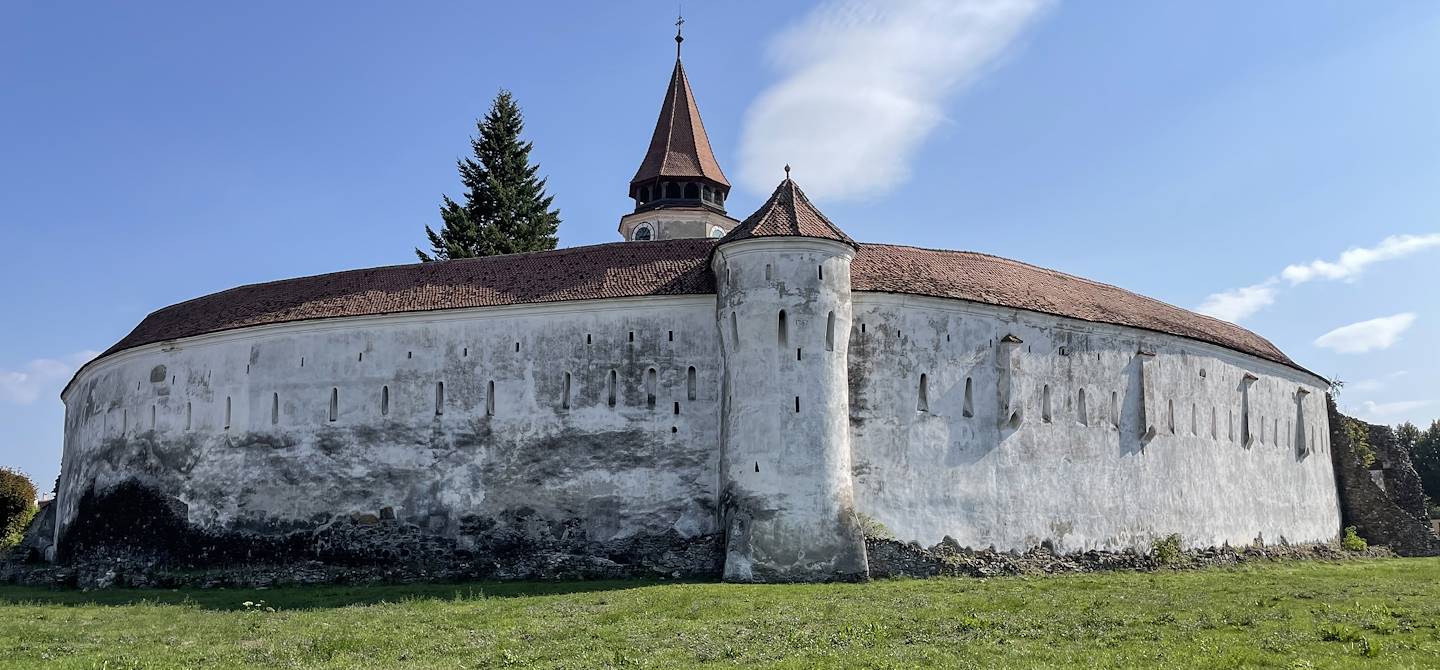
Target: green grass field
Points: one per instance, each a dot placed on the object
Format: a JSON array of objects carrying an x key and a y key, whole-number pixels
[{"x": 1379, "y": 613}]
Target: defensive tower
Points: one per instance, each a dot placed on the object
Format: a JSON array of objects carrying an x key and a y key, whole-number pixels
[{"x": 783, "y": 305}]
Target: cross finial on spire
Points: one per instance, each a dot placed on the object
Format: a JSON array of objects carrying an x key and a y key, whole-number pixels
[{"x": 679, "y": 22}]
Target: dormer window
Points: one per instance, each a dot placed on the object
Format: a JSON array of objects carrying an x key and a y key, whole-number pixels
[
  {"x": 716, "y": 232},
  {"x": 643, "y": 233}
]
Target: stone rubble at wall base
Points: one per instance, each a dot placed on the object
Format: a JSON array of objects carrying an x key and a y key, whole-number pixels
[{"x": 888, "y": 559}]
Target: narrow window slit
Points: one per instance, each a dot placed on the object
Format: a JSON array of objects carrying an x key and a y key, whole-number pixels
[
  {"x": 922, "y": 403},
  {"x": 565, "y": 396},
  {"x": 610, "y": 389},
  {"x": 1045, "y": 414},
  {"x": 781, "y": 332},
  {"x": 275, "y": 409},
  {"x": 1081, "y": 409},
  {"x": 384, "y": 400},
  {"x": 797, "y": 404},
  {"x": 676, "y": 410},
  {"x": 334, "y": 404},
  {"x": 968, "y": 409},
  {"x": 439, "y": 398},
  {"x": 650, "y": 387},
  {"x": 830, "y": 332},
  {"x": 490, "y": 398},
  {"x": 690, "y": 383}
]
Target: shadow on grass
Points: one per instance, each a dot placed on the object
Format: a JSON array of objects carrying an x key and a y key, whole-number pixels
[{"x": 310, "y": 597}]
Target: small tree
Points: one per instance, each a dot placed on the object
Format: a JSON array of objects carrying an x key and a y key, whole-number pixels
[
  {"x": 506, "y": 209},
  {"x": 1425, "y": 454},
  {"x": 17, "y": 506}
]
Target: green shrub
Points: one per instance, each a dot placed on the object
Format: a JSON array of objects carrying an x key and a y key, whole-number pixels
[
  {"x": 1360, "y": 442},
  {"x": 1352, "y": 540},
  {"x": 17, "y": 506},
  {"x": 872, "y": 529},
  {"x": 1168, "y": 551}
]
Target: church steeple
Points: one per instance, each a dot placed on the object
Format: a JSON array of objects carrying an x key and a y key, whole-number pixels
[
  {"x": 679, "y": 190},
  {"x": 680, "y": 167}
]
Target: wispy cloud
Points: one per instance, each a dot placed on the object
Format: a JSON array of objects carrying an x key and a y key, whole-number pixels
[
  {"x": 1240, "y": 303},
  {"x": 1380, "y": 411},
  {"x": 863, "y": 85},
  {"x": 1236, "y": 304},
  {"x": 1376, "y": 384},
  {"x": 40, "y": 376},
  {"x": 1354, "y": 261},
  {"x": 1375, "y": 334}
]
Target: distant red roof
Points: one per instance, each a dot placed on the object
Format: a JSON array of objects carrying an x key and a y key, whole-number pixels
[
  {"x": 679, "y": 147},
  {"x": 788, "y": 213},
  {"x": 670, "y": 267}
]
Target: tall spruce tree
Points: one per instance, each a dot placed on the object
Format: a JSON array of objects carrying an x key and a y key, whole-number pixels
[{"x": 506, "y": 209}]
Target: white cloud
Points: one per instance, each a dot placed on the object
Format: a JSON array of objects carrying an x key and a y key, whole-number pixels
[
  {"x": 42, "y": 375},
  {"x": 1370, "y": 410},
  {"x": 1378, "y": 384},
  {"x": 863, "y": 85},
  {"x": 1358, "y": 338},
  {"x": 1239, "y": 303},
  {"x": 1354, "y": 261}
]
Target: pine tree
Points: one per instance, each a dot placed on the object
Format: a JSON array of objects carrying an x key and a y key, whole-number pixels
[{"x": 506, "y": 209}]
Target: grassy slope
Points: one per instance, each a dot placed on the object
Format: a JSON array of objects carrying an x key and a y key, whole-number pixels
[{"x": 1282, "y": 615}]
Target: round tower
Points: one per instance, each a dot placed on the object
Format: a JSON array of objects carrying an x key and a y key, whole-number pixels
[{"x": 783, "y": 308}]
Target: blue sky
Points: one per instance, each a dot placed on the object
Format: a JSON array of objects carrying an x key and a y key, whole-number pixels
[{"x": 153, "y": 152}]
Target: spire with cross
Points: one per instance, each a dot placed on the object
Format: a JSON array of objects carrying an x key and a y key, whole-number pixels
[{"x": 679, "y": 23}]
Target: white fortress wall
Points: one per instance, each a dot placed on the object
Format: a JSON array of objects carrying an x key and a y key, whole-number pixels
[
  {"x": 439, "y": 458},
  {"x": 956, "y": 467}
]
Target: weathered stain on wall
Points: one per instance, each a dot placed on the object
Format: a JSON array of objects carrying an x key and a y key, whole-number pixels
[{"x": 459, "y": 423}]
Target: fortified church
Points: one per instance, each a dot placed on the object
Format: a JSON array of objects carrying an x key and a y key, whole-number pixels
[{"x": 708, "y": 397}]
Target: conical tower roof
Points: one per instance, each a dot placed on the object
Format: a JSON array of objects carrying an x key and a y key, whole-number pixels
[
  {"x": 788, "y": 213},
  {"x": 679, "y": 147}
]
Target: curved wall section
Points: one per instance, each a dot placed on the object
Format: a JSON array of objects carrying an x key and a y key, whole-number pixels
[
  {"x": 577, "y": 427},
  {"x": 1172, "y": 435}
]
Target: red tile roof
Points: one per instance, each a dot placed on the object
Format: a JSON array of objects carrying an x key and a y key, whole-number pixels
[
  {"x": 670, "y": 267},
  {"x": 999, "y": 281},
  {"x": 615, "y": 270},
  {"x": 679, "y": 147},
  {"x": 788, "y": 213}
]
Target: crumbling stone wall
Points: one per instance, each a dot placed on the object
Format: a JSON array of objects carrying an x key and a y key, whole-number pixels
[
  {"x": 1402, "y": 482},
  {"x": 1375, "y": 514}
]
